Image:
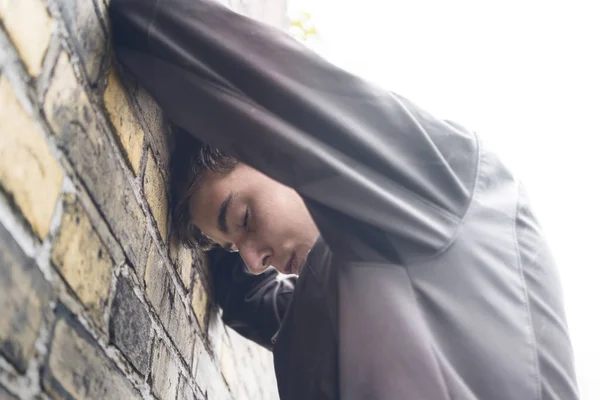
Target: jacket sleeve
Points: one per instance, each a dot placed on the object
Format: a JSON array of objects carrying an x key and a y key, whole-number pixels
[
  {"x": 253, "y": 305},
  {"x": 383, "y": 180}
]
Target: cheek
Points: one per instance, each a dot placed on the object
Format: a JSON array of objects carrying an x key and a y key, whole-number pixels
[
  {"x": 271, "y": 214},
  {"x": 283, "y": 213}
]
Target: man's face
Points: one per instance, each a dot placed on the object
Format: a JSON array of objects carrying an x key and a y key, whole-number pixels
[{"x": 266, "y": 221}]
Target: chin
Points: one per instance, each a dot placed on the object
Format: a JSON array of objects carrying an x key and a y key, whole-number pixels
[
  {"x": 296, "y": 270},
  {"x": 300, "y": 254},
  {"x": 299, "y": 265}
]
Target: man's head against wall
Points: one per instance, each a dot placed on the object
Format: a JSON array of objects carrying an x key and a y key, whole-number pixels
[{"x": 219, "y": 201}]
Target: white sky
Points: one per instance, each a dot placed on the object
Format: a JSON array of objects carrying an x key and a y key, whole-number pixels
[{"x": 526, "y": 75}]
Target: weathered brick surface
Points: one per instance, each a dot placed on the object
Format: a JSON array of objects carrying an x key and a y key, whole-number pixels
[
  {"x": 168, "y": 304},
  {"x": 200, "y": 302},
  {"x": 207, "y": 374},
  {"x": 79, "y": 135},
  {"x": 183, "y": 260},
  {"x": 156, "y": 193},
  {"x": 87, "y": 34},
  {"x": 77, "y": 368},
  {"x": 84, "y": 158},
  {"x": 18, "y": 18},
  {"x": 130, "y": 326},
  {"x": 24, "y": 297},
  {"x": 5, "y": 395},
  {"x": 184, "y": 390},
  {"x": 252, "y": 361},
  {"x": 165, "y": 372},
  {"x": 82, "y": 259},
  {"x": 155, "y": 125},
  {"x": 28, "y": 171},
  {"x": 129, "y": 130},
  {"x": 227, "y": 363}
]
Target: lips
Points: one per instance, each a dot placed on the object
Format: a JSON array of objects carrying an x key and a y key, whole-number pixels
[{"x": 289, "y": 268}]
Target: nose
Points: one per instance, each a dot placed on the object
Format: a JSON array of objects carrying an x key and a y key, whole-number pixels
[{"x": 257, "y": 258}]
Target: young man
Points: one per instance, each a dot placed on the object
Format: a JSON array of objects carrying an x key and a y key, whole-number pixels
[{"x": 422, "y": 273}]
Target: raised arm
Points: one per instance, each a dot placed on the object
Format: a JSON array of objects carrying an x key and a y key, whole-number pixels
[{"x": 383, "y": 179}]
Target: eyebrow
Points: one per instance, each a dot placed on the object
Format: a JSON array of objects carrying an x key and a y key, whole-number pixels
[{"x": 222, "y": 218}]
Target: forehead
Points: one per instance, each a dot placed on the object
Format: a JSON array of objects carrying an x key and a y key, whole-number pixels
[{"x": 207, "y": 198}]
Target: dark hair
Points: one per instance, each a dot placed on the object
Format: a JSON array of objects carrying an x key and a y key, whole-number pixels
[{"x": 190, "y": 160}]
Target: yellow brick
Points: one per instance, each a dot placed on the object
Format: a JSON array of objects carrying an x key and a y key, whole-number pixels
[
  {"x": 165, "y": 372},
  {"x": 168, "y": 304},
  {"x": 199, "y": 302},
  {"x": 28, "y": 171},
  {"x": 29, "y": 27},
  {"x": 64, "y": 91},
  {"x": 182, "y": 257},
  {"x": 78, "y": 369},
  {"x": 82, "y": 258},
  {"x": 185, "y": 267},
  {"x": 155, "y": 278},
  {"x": 21, "y": 308},
  {"x": 129, "y": 130},
  {"x": 75, "y": 124},
  {"x": 24, "y": 298},
  {"x": 154, "y": 190}
]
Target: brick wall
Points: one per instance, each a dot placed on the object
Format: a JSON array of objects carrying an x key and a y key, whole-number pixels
[{"x": 96, "y": 300}]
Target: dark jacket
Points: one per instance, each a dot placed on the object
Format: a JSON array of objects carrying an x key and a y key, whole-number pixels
[{"x": 431, "y": 279}]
